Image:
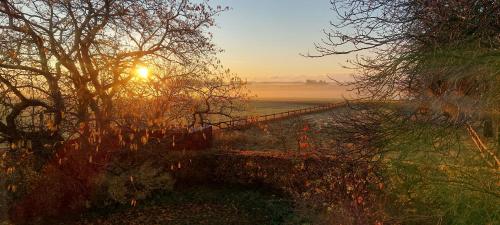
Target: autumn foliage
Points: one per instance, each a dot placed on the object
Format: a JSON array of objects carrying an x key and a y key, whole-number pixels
[{"x": 69, "y": 180}]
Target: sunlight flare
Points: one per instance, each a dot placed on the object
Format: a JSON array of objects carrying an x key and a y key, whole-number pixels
[{"x": 142, "y": 72}]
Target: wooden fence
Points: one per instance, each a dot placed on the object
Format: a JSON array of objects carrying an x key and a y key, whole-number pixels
[
  {"x": 248, "y": 121},
  {"x": 202, "y": 139}
]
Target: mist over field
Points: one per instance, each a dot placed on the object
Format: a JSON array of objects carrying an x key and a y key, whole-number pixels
[
  {"x": 285, "y": 91},
  {"x": 211, "y": 112}
]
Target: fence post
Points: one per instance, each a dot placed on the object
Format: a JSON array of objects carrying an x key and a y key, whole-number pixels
[{"x": 264, "y": 118}]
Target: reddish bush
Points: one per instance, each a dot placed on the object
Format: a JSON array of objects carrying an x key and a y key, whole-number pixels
[
  {"x": 347, "y": 189},
  {"x": 69, "y": 178}
]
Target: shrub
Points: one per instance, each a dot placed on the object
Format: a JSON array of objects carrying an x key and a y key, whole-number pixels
[
  {"x": 347, "y": 191},
  {"x": 286, "y": 135},
  {"x": 133, "y": 184}
]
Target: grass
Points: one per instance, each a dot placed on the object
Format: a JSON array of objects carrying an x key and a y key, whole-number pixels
[
  {"x": 218, "y": 205},
  {"x": 419, "y": 188},
  {"x": 200, "y": 205},
  {"x": 450, "y": 192},
  {"x": 278, "y": 135},
  {"x": 436, "y": 176},
  {"x": 263, "y": 107},
  {"x": 430, "y": 181},
  {"x": 258, "y": 107}
]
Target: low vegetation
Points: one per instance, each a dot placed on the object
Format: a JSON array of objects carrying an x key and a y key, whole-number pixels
[
  {"x": 106, "y": 110},
  {"x": 199, "y": 205},
  {"x": 428, "y": 173}
]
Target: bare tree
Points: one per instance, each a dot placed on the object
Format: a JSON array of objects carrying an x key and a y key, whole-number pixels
[
  {"x": 65, "y": 63},
  {"x": 69, "y": 80},
  {"x": 440, "y": 60},
  {"x": 440, "y": 55},
  {"x": 185, "y": 96},
  {"x": 419, "y": 49}
]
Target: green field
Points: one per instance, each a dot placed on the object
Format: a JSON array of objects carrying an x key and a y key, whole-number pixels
[
  {"x": 268, "y": 98},
  {"x": 263, "y": 107},
  {"x": 202, "y": 205},
  {"x": 284, "y": 92}
]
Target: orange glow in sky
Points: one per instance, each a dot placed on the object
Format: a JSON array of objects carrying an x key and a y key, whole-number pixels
[{"x": 268, "y": 46}]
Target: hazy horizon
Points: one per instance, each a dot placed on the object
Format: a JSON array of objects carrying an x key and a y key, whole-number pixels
[
  {"x": 286, "y": 91},
  {"x": 262, "y": 40}
]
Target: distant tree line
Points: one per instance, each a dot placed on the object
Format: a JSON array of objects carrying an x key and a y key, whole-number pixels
[{"x": 316, "y": 82}]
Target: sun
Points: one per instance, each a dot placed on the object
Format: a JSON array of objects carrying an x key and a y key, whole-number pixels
[{"x": 142, "y": 72}]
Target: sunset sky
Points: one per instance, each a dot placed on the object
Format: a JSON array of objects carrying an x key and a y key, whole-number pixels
[{"x": 262, "y": 39}]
